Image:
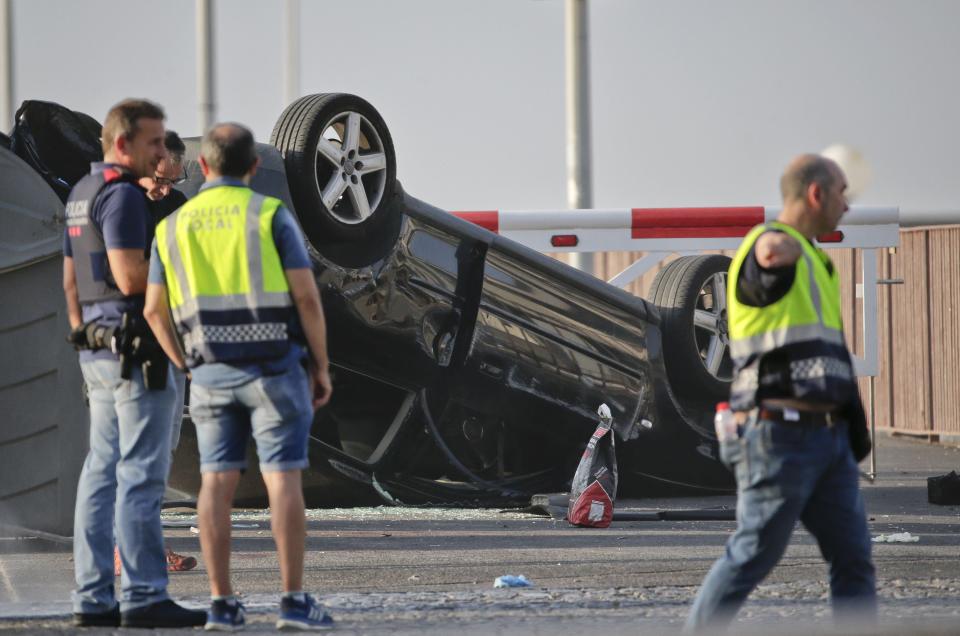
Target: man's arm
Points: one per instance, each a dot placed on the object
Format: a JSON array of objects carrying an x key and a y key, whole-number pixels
[
  {"x": 74, "y": 314},
  {"x": 123, "y": 217},
  {"x": 157, "y": 312},
  {"x": 777, "y": 249},
  {"x": 129, "y": 269},
  {"x": 306, "y": 298},
  {"x": 759, "y": 285}
]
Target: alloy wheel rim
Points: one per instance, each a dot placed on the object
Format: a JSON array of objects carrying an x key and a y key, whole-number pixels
[
  {"x": 710, "y": 331},
  {"x": 351, "y": 167}
]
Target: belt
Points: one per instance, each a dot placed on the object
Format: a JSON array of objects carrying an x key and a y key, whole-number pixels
[{"x": 799, "y": 418}]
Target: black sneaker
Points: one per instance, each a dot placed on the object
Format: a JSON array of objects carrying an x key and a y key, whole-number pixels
[
  {"x": 99, "y": 619},
  {"x": 163, "y": 614}
]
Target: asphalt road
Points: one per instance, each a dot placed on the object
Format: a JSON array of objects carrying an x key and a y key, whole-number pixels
[{"x": 404, "y": 571}]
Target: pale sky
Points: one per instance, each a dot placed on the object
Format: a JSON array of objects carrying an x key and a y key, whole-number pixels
[{"x": 693, "y": 102}]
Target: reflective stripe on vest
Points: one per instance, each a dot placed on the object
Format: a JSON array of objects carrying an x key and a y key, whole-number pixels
[
  {"x": 806, "y": 321},
  {"x": 213, "y": 301},
  {"x": 815, "y": 368}
]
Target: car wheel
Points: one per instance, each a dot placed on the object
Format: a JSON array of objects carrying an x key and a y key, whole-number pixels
[
  {"x": 340, "y": 166},
  {"x": 691, "y": 294}
]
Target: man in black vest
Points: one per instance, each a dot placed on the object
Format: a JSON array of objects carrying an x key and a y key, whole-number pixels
[{"x": 128, "y": 382}]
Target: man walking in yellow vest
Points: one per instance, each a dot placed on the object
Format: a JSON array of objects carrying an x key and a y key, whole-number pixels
[
  {"x": 231, "y": 267},
  {"x": 801, "y": 423}
]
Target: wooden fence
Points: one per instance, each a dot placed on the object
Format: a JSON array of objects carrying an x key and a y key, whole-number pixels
[{"x": 917, "y": 390}]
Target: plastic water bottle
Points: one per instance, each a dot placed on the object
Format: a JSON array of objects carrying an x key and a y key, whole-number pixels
[{"x": 724, "y": 423}]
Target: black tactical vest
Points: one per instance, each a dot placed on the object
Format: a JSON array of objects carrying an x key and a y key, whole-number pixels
[{"x": 95, "y": 281}]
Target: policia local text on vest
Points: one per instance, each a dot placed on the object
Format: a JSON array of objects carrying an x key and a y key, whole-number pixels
[{"x": 224, "y": 313}]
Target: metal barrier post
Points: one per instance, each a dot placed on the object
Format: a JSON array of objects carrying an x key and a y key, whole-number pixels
[
  {"x": 873, "y": 400},
  {"x": 873, "y": 429}
]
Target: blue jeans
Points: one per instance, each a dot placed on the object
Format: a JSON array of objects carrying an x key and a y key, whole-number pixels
[
  {"x": 124, "y": 475},
  {"x": 275, "y": 409},
  {"x": 787, "y": 472}
]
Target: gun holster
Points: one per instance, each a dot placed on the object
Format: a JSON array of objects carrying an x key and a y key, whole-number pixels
[{"x": 136, "y": 344}]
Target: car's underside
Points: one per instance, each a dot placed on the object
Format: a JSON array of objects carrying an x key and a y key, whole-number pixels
[{"x": 467, "y": 368}]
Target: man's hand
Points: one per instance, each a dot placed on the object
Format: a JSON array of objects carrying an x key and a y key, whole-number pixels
[
  {"x": 320, "y": 386},
  {"x": 78, "y": 337},
  {"x": 156, "y": 311},
  {"x": 777, "y": 249},
  {"x": 306, "y": 298}
]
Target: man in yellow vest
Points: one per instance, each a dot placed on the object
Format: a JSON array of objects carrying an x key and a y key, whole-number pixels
[
  {"x": 231, "y": 267},
  {"x": 796, "y": 400}
]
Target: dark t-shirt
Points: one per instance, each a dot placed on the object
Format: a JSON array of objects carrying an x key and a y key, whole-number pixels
[
  {"x": 167, "y": 205},
  {"x": 121, "y": 214},
  {"x": 160, "y": 210}
]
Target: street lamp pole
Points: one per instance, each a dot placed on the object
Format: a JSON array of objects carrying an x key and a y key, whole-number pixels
[
  {"x": 291, "y": 70},
  {"x": 205, "y": 64},
  {"x": 7, "y": 108},
  {"x": 579, "y": 188}
]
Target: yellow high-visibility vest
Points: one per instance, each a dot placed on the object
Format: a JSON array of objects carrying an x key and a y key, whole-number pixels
[
  {"x": 805, "y": 324},
  {"x": 227, "y": 288}
]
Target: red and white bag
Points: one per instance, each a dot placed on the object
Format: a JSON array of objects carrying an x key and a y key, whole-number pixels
[{"x": 594, "y": 484}]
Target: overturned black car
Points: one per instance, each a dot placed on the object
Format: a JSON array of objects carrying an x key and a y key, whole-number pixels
[{"x": 468, "y": 368}]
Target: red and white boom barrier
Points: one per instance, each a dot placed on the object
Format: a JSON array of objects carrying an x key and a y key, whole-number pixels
[
  {"x": 669, "y": 229},
  {"x": 660, "y": 232}
]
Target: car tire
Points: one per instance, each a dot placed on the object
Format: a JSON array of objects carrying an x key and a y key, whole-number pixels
[
  {"x": 694, "y": 325},
  {"x": 340, "y": 165}
]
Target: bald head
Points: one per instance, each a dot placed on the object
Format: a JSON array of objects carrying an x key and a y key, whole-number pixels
[
  {"x": 803, "y": 172},
  {"x": 228, "y": 150}
]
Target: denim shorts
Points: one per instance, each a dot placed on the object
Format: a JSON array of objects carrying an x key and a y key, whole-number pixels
[{"x": 275, "y": 409}]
